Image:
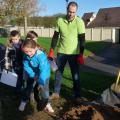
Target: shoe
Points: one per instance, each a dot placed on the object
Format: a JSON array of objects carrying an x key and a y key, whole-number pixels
[
  {"x": 54, "y": 96},
  {"x": 49, "y": 108},
  {"x": 22, "y": 106},
  {"x": 32, "y": 99}
]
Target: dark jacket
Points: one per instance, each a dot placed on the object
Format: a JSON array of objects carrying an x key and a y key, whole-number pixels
[{"x": 14, "y": 57}]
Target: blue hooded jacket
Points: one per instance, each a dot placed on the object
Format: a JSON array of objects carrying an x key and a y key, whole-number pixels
[{"x": 38, "y": 65}]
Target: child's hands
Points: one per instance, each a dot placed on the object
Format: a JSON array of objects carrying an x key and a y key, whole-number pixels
[
  {"x": 40, "y": 87},
  {"x": 36, "y": 78}
]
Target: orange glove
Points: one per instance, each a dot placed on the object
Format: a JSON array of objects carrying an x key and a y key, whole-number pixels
[
  {"x": 51, "y": 54},
  {"x": 80, "y": 59}
]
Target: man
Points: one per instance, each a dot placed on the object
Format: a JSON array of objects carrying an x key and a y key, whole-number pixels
[{"x": 70, "y": 30}]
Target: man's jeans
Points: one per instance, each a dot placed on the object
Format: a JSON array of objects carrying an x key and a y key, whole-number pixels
[{"x": 74, "y": 66}]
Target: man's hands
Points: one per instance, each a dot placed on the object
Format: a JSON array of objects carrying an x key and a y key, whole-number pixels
[
  {"x": 80, "y": 59},
  {"x": 51, "y": 54}
]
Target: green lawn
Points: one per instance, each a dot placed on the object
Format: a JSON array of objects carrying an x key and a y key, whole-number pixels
[
  {"x": 91, "y": 47},
  {"x": 3, "y": 40},
  {"x": 93, "y": 83}
]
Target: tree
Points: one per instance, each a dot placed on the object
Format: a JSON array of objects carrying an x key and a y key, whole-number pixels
[{"x": 19, "y": 8}]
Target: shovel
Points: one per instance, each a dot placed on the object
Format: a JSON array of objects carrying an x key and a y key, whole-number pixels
[
  {"x": 116, "y": 86},
  {"x": 111, "y": 96}
]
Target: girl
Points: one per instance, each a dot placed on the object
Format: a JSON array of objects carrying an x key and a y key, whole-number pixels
[
  {"x": 37, "y": 67},
  {"x": 32, "y": 35}
]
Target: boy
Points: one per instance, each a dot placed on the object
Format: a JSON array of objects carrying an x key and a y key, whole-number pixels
[{"x": 13, "y": 58}]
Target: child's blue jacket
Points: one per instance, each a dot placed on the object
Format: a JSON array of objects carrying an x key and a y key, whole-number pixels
[{"x": 38, "y": 65}]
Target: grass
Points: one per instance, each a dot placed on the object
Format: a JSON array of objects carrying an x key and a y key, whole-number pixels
[
  {"x": 91, "y": 47},
  {"x": 3, "y": 40},
  {"x": 91, "y": 82}
]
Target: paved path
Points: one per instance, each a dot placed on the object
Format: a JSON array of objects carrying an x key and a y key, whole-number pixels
[{"x": 108, "y": 61}]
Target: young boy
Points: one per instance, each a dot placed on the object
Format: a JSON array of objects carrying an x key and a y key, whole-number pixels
[
  {"x": 37, "y": 67},
  {"x": 13, "y": 58}
]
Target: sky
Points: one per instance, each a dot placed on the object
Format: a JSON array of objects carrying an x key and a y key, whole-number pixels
[{"x": 52, "y": 7}]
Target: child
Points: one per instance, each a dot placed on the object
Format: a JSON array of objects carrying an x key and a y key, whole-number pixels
[
  {"x": 13, "y": 58},
  {"x": 37, "y": 67},
  {"x": 32, "y": 35}
]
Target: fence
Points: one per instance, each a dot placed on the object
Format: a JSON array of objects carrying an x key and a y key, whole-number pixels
[
  {"x": 42, "y": 32},
  {"x": 103, "y": 34},
  {"x": 96, "y": 34}
]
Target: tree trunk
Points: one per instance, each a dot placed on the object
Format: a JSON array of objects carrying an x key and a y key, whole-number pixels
[{"x": 25, "y": 25}]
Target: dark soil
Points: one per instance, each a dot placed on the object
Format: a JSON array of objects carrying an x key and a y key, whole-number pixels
[{"x": 64, "y": 110}]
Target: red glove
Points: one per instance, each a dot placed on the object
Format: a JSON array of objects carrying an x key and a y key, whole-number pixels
[
  {"x": 80, "y": 59},
  {"x": 51, "y": 54}
]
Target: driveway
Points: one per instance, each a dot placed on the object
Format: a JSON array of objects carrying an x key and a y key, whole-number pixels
[{"x": 107, "y": 61}]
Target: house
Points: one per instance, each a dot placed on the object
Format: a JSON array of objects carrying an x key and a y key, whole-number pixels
[
  {"x": 88, "y": 18},
  {"x": 107, "y": 17},
  {"x": 105, "y": 26}
]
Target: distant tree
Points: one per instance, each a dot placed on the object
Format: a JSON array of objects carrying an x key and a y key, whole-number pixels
[
  {"x": 58, "y": 15},
  {"x": 19, "y": 8},
  {"x": 34, "y": 21}
]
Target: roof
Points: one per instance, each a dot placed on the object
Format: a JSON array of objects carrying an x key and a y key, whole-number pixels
[
  {"x": 107, "y": 17},
  {"x": 86, "y": 17}
]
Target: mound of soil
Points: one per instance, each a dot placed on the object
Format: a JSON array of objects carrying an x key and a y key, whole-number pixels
[
  {"x": 69, "y": 110},
  {"x": 92, "y": 112},
  {"x": 65, "y": 109}
]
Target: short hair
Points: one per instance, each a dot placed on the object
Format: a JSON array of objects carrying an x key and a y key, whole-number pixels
[
  {"x": 31, "y": 34},
  {"x": 72, "y": 4},
  {"x": 13, "y": 33}
]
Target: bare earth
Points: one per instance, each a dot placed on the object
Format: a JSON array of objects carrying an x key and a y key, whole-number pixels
[{"x": 69, "y": 110}]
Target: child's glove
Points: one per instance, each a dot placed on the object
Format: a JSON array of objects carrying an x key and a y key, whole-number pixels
[
  {"x": 35, "y": 78},
  {"x": 80, "y": 59},
  {"x": 40, "y": 88},
  {"x": 51, "y": 54}
]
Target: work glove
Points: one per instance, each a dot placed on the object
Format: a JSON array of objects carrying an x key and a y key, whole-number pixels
[
  {"x": 80, "y": 59},
  {"x": 35, "y": 78},
  {"x": 40, "y": 88},
  {"x": 51, "y": 54}
]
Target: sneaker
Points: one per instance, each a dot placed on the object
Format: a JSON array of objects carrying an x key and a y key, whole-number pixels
[
  {"x": 54, "y": 96},
  {"x": 22, "y": 106},
  {"x": 49, "y": 108}
]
